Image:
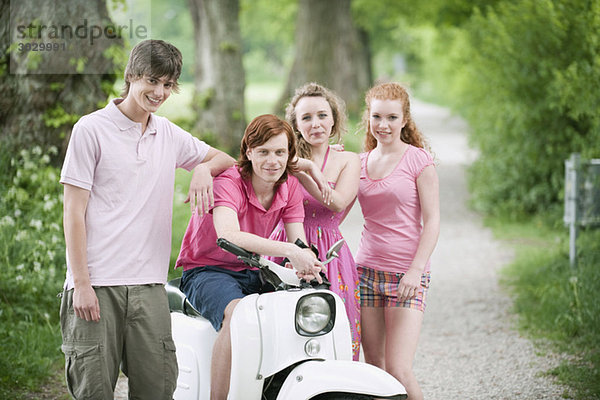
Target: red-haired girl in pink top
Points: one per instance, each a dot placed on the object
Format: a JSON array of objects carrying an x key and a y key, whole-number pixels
[{"x": 399, "y": 198}]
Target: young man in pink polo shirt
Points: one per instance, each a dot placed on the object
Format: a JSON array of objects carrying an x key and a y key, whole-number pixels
[
  {"x": 250, "y": 199},
  {"x": 118, "y": 178}
]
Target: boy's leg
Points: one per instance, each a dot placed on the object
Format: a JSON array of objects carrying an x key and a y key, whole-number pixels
[
  {"x": 149, "y": 352},
  {"x": 93, "y": 349},
  {"x": 220, "y": 372},
  {"x": 215, "y": 292},
  {"x": 211, "y": 289}
]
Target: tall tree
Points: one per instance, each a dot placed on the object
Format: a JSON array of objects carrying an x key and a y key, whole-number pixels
[
  {"x": 330, "y": 50},
  {"x": 219, "y": 77},
  {"x": 50, "y": 74}
]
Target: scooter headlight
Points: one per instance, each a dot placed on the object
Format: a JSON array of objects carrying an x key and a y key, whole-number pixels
[{"x": 315, "y": 314}]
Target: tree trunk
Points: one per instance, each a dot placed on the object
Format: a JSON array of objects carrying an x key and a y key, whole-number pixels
[
  {"x": 45, "y": 91},
  {"x": 219, "y": 75},
  {"x": 331, "y": 51}
]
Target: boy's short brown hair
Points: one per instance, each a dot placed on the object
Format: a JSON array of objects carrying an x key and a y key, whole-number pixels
[{"x": 155, "y": 58}]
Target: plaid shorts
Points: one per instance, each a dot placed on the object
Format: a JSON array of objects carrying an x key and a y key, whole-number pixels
[{"x": 380, "y": 289}]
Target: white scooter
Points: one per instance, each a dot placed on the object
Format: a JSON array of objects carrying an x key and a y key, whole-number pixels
[{"x": 292, "y": 343}]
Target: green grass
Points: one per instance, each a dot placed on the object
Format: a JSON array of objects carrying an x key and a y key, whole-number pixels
[
  {"x": 32, "y": 363},
  {"x": 555, "y": 302}
]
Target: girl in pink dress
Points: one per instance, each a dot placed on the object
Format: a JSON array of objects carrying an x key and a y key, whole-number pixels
[
  {"x": 399, "y": 198},
  {"x": 318, "y": 116}
]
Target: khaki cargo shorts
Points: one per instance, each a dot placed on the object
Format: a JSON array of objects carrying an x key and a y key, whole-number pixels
[{"x": 134, "y": 332}]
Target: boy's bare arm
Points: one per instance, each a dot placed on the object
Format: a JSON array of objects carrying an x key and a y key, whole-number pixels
[
  {"x": 227, "y": 226},
  {"x": 85, "y": 302},
  {"x": 200, "y": 194}
]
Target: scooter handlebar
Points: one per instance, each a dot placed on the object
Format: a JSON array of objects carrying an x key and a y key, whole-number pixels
[
  {"x": 232, "y": 248},
  {"x": 288, "y": 276}
]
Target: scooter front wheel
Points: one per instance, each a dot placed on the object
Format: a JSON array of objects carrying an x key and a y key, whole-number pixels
[
  {"x": 341, "y": 396},
  {"x": 351, "y": 396}
]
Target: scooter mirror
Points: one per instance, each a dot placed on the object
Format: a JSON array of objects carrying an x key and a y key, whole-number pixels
[{"x": 333, "y": 251}]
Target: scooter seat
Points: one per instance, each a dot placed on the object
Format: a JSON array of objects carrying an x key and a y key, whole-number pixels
[{"x": 178, "y": 302}]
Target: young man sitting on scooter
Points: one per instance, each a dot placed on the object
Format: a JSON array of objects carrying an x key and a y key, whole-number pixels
[{"x": 250, "y": 199}]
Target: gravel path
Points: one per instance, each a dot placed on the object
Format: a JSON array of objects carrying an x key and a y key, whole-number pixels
[{"x": 469, "y": 348}]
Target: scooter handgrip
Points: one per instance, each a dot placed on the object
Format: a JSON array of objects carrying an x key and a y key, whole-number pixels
[
  {"x": 232, "y": 248},
  {"x": 300, "y": 244},
  {"x": 303, "y": 245}
]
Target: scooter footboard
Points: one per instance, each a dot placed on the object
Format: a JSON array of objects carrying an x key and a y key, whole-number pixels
[{"x": 312, "y": 378}]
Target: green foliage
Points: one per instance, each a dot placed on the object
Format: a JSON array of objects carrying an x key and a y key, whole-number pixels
[
  {"x": 118, "y": 57},
  {"x": 56, "y": 117},
  {"x": 525, "y": 74},
  {"x": 32, "y": 257},
  {"x": 558, "y": 303},
  {"x": 56, "y": 86},
  {"x": 203, "y": 99},
  {"x": 529, "y": 85},
  {"x": 267, "y": 29},
  {"x": 226, "y": 47},
  {"x": 236, "y": 115},
  {"x": 79, "y": 64}
]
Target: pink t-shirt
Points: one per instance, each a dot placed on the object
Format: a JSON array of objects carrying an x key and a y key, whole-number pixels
[
  {"x": 199, "y": 247},
  {"x": 392, "y": 213},
  {"x": 131, "y": 179}
]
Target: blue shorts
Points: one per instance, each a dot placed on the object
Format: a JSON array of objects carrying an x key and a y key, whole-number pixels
[{"x": 210, "y": 289}]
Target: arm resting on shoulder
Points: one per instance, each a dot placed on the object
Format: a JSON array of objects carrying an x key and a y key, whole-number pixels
[
  {"x": 217, "y": 161},
  {"x": 200, "y": 194}
]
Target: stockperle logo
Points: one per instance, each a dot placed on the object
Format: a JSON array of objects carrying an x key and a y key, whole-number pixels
[{"x": 66, "y": 37}]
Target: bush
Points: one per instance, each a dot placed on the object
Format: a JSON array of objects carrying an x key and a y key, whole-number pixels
[
  {"x": 527, "y": 78},
  {"x": 33, "y": 258}
]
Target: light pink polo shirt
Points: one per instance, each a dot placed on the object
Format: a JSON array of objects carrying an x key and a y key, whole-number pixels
[
  {"x": 199, "y": 247},
  {"x": 392, "y": 213},
  {"x": 131, "y": 178}
]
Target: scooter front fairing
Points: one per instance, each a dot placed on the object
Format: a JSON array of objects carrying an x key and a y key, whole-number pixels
[{"x": 265, "y": 339}]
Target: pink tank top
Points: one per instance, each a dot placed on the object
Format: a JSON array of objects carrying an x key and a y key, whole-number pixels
[{"x": 392, "y": 213}]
